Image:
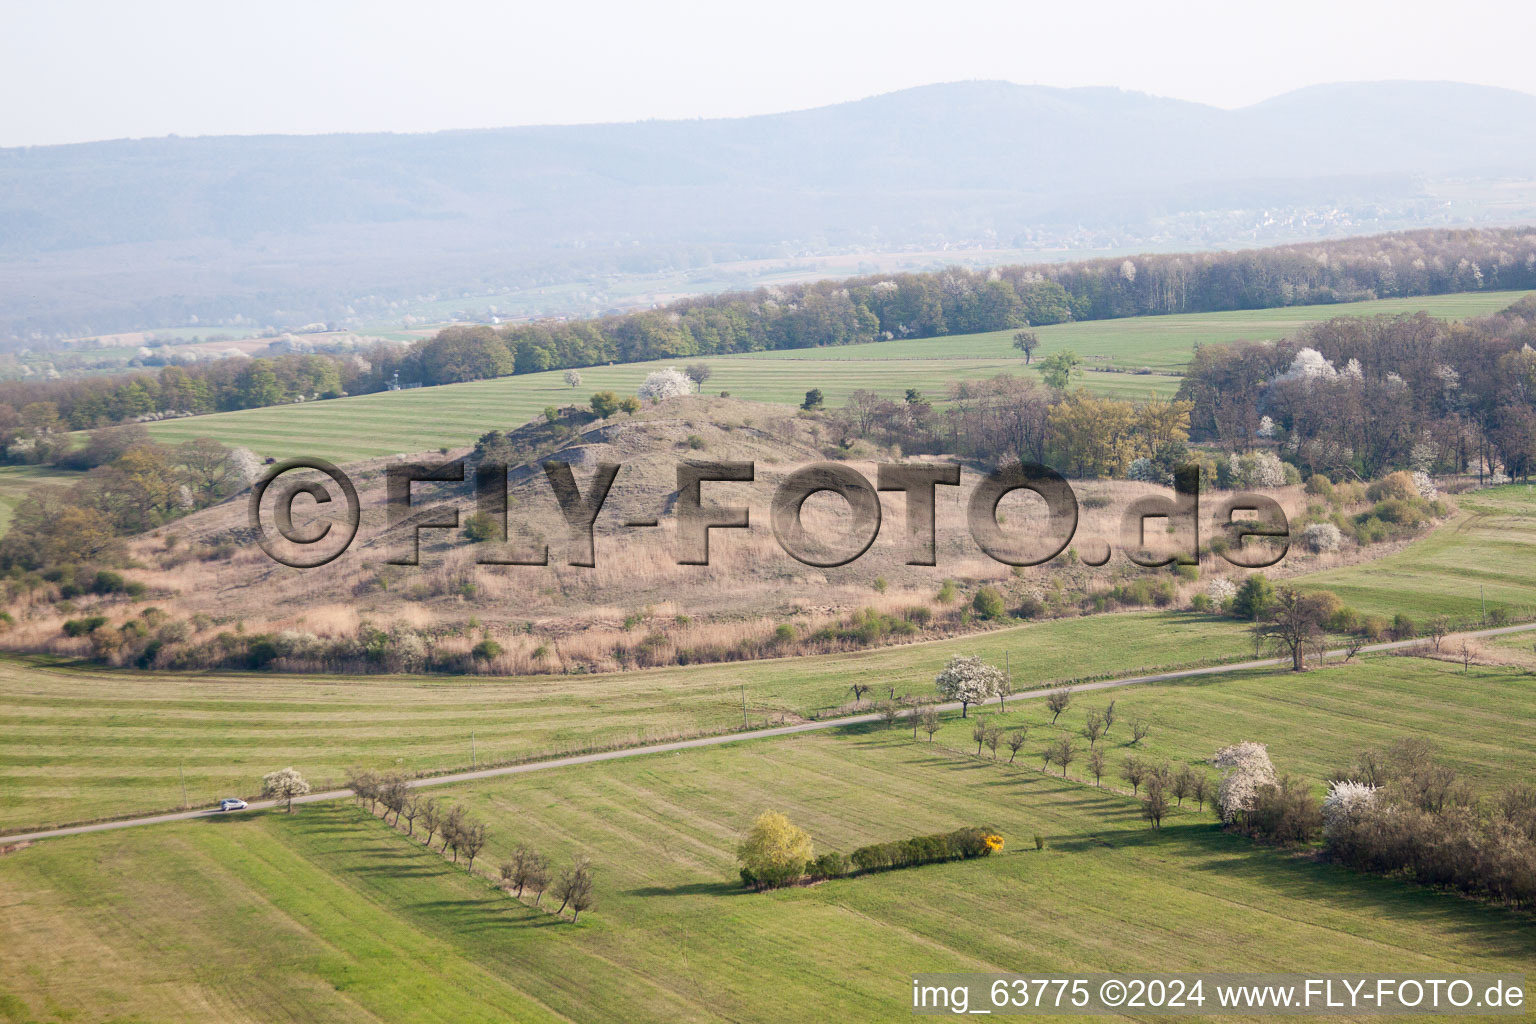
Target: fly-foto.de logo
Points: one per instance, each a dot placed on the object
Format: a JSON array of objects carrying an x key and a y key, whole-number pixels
[{"x": 1236, "y": 516}]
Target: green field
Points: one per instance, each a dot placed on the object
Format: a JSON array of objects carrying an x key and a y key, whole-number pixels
[
  {"x": 327, "y": 915},
  {"x": 16, "y": 481},
  {"x": 454, "y": 415},
  {"x": 1486, "y": 555},
  {"x": 1483, "y": 722},
  {"x": 78, "y": 743}
]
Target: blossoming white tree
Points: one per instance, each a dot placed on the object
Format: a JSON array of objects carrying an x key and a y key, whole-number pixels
[
  {"x": 1246, "y": 769},
  {"x": 284, "y": 784},
  {"x": 969, "y": 680},
  {"x": 1345, "y": 802},
  {"x": 572, "y": 378},
  {"x": 661, "y": 385},
  {"x": 1322, "y": 537}
]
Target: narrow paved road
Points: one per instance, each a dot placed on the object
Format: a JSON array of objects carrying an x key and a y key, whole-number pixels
[{"x": 714, "y": 741}]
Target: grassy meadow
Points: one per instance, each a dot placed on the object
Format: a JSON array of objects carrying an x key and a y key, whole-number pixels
[
  {"x": 16, "y": 481},
  {"x": 454, "y": 415},
  {"x": 1485, "y": 555},
  {"x": 327, "y": 914},
  {"x": 78, "y": 743},
  {"x": 1481, "y": 721}
]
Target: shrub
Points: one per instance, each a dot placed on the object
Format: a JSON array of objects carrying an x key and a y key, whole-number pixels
[
  {"x": 1285, "y": 812},
  {"x": 1321, "y": 486},
  {"x": 85, "y": 626},
  {"x": 480, "y": 528},
  {"x": 961, "y": 844},
  {"x": 1221, "y": 590},
  {"x": 1403, "y": 627},
  {"x": 946, "y": 592},
  {"x": 828, "y": 865},
  {"x": 1322, "y": 537},
  {"x": 1031, "y": 607},
  {"x": 486, "y": 649},
  {"x": 1200, "y": 603},
  {"x": 989, "y": 603},
  {"x": 1398, "y": 485},
  {"x": 1370, "y": 530},
  {"x": 1254, "y": 598},
  {"x": 774, "y": 852}
]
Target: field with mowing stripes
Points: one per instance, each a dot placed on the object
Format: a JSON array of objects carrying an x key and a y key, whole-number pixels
[
  {"x": 1482, "y": 721},
  {"x": 326, "y": 914},
  {"x": 78, "y": 744},
  {"x": 1485, "y": 556},
  {"x": 453, "y": 416}
]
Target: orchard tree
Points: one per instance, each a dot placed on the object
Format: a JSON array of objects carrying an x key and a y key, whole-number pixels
[
  {"x": 969, "y": 680},
  {"x": 1064, "y": 753},
  {"x": 1026, "y": 342},
  {"x": 1057, "y": 702},
  {"x": 1293, "y": 624},
  {"x": 572, "y": 378},
  {"x": 1059, "y": 368},
  {"x": 471, "y": 841},
  {"x": 1200, "y": 789},
  {"x": 1155, "y": 806},
  {"x": 991, "y": 738},
  {"x": 1139, "y": 730},
  {"x": 575, "y": 888},
  {"x": 1093, "y": 728},
  {"x": 1096, "y": 764},
  {"x": 931, "y": 723},
  {"x": 1016, "y": 741},
  {"x": 1134, "y": 771},
  {"x": 431, "y": 818},
  {"x": 284, "y": 784},
  {"x": 538, "y": 876}
]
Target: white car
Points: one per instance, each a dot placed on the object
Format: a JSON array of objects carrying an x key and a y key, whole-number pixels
[{"x": 232, "y": 804}]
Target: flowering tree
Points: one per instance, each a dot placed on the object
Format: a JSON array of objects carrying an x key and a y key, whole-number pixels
[
  {"x": 572, "y": 378},
  {"x": 284, "y": 784},
  {"x": 1220, "y": 591},
  {"x": 661, "y": 385},
  {"x": 1322, "y": 537},
  {"x": 1246, "y": 769},
  {"x": 969, "y": 680},
  {"x": 1345, "y": 802}
]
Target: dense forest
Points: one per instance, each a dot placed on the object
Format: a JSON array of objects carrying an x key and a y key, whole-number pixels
[
  {"x": 1356, "y": 396},
  {"x": 949, "y": 302}
]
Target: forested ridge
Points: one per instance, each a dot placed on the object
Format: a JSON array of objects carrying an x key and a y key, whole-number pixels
[{"x": 835, "y": 312}]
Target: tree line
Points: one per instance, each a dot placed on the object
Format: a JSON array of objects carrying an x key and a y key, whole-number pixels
[
  {"x": 823, "y": 313},
  {"x": 1355, "y": 397},
  {"x": 459, "y": 834}
]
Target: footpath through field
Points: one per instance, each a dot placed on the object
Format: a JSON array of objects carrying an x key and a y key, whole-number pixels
[{"x": 730, "y": 737}]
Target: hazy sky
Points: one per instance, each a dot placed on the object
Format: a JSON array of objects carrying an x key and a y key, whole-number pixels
[{"x": 73, "y": 71}]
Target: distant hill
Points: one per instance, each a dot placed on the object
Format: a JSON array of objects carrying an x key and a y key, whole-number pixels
[{"x": 287, "y": 229}]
